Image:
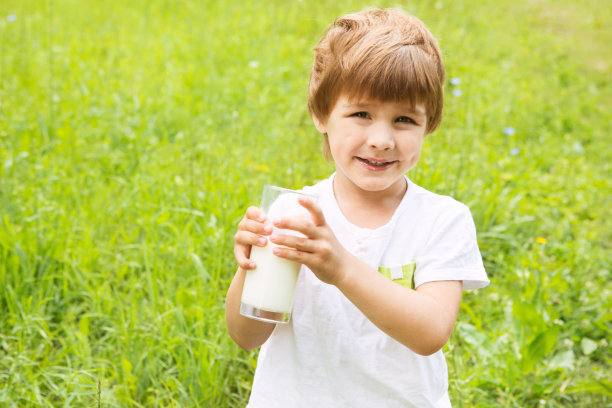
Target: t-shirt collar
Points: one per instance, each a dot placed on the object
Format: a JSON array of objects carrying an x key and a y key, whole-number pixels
[{"x": 361, "y": 232}]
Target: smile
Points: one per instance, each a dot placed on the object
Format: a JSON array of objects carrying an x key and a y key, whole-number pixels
[{"x": 375, "y": 164}]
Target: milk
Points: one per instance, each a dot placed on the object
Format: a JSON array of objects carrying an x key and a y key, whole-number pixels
[
  {"x": 271, "y": 285},
  {"x": 268, "y": 290}
]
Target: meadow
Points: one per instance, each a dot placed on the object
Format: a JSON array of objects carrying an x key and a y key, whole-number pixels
[{"x": 133, "y": 136}]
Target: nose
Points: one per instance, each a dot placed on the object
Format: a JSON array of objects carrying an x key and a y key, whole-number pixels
[{"x": 380, "y": 137}]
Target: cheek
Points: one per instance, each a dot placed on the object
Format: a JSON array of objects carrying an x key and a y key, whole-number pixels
[
  {"x": 334, "y": 147},
  {"x": 345, "y": 141},
  {"x": 413, "y": 151}
]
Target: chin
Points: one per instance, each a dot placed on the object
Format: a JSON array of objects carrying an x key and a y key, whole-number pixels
[{"x": 375, "y": 185}]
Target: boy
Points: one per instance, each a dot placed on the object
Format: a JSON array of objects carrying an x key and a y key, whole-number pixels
[{"x": 385, "y": 261}]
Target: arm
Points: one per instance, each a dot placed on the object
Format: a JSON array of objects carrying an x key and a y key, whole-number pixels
[
  {"x": 421, "y": 319},
  {"x": 247, "y": 333}
]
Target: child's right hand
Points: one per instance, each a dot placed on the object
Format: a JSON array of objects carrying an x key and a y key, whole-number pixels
[{"x": 253, "y": 229}]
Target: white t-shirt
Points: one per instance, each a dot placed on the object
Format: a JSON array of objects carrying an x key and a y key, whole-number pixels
[{"x": 330, "y": 354}]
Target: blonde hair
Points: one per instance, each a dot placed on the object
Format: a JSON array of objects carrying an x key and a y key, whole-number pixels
[{"x": 381, "y": 54}]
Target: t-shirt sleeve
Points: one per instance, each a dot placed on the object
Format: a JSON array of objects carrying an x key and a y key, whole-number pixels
[{"x": 451, "y": 252}]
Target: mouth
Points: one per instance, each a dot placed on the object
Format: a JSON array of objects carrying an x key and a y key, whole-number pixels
[{"x": 375, "y": 164}]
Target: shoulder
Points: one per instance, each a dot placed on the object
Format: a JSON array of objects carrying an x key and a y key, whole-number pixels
[
  {"x": 449, "y": 249},
  {"x": 435, "y": 206},
  {"x": 436, "y": 215}
]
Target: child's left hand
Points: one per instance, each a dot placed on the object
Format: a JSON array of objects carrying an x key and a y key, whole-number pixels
[{"x": 320, "y": 251}]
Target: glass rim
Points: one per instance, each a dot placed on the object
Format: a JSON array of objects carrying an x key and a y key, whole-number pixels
[{"x": 288, "y": 190}]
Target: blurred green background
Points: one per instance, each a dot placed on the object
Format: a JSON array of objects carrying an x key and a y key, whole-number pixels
[{"x": 133, "y": 136}]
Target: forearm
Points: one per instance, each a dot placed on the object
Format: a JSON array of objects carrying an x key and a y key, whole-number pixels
[
  {"x": 421, "y": 319},
  {"x": 247, "y": 333}
]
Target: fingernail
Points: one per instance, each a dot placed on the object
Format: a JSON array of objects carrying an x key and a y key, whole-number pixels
[
  {"x": 273, "y": 237},
  {"x": 252, "y": 265},
  {"x": 276, "y": 250},
  {"x": 268, "y": 229},
  {"x": 262, "y": 241},
  {"x": 277, "y": 221}
]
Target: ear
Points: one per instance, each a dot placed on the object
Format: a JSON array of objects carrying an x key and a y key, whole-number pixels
[{"x": 320, "y": 125}]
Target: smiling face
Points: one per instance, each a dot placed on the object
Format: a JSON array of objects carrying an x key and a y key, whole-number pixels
[{"x": 374, "y": 143}]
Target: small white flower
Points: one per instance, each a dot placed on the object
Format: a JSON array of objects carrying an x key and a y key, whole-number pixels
[
  {"x": 11, "y": 17},
  {"x": 457, "y": 92},
  {"x": 515, "y": 151},
  {"x": 559, "y": 322},
  {"x": 455, "y": 81},
  {"x": 254, "y": 64},
  {"x": 578, "y": 148},
  {"x": 509, "y": 131}
]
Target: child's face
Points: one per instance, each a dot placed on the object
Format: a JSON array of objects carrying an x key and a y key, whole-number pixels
[{"x": 374, "y": 143}]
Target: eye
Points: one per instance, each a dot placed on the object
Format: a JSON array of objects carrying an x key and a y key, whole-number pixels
[
  {"x": 363, "y": 115},
  {"x": 405, "y": 119}
]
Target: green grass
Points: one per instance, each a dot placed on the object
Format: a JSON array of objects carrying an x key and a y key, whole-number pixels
[{"x": 133, "y": 135}]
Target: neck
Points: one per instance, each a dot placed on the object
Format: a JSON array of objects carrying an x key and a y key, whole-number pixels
[{"x": 368, "y": 209}]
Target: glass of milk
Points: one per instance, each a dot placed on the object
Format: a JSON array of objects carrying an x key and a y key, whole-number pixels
[{"x": 268, "y": 290}]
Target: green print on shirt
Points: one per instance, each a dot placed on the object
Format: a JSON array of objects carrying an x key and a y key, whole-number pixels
[{"x": 404, "y": 274}]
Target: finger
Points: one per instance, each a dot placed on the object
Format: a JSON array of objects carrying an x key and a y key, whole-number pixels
[
  {"x": 313, "y": 208},
  {"x": 255, "y": 213},
  {"x": 298, "y": 243},
  {"x": 291, "y": 254},
  {"x": 242, "y": 253},
  {"x": 301, "y": 224},
  {"x": 255, "y": 227},
  {"x": 245, "y": 238}
]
